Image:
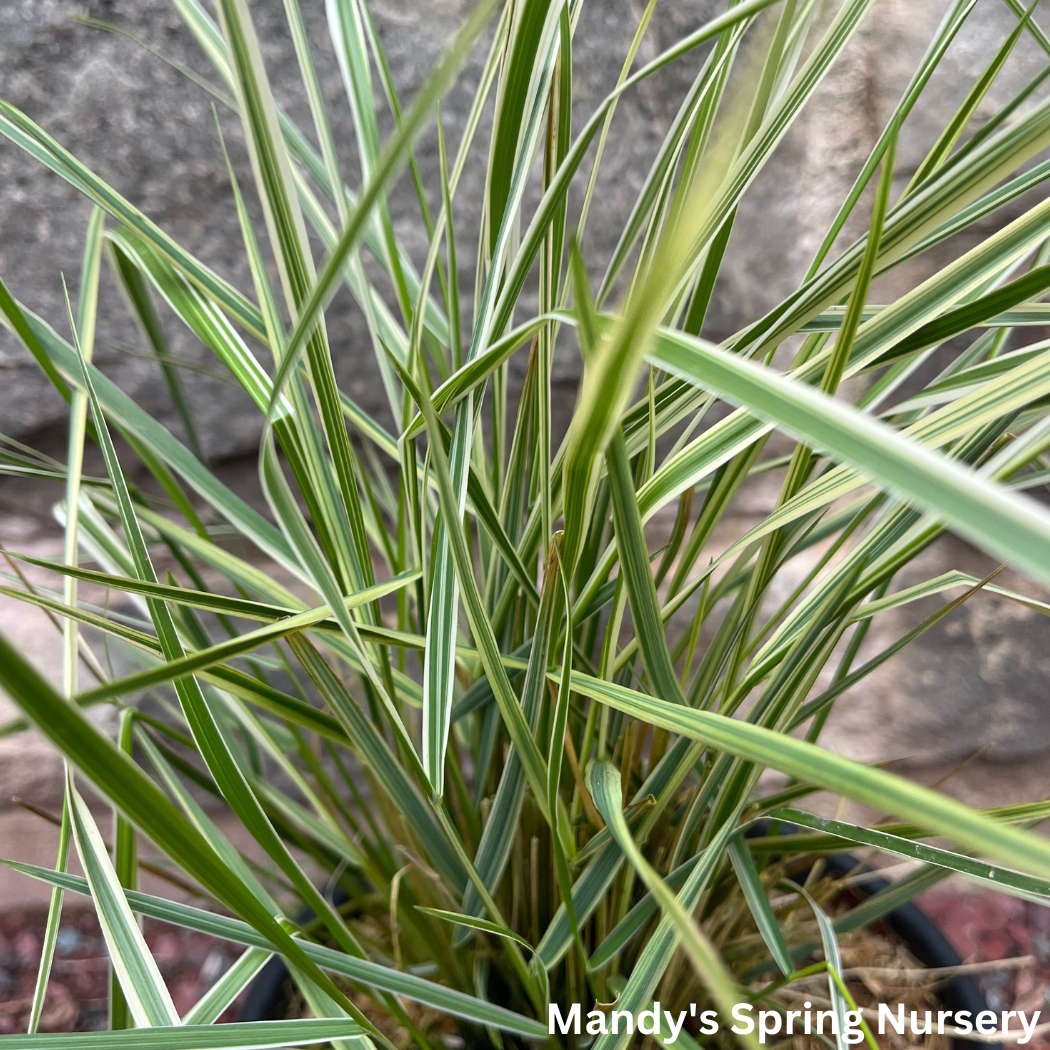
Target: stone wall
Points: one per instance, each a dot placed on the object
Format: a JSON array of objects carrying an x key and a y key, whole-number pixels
[{"x": 149, "y": 131}]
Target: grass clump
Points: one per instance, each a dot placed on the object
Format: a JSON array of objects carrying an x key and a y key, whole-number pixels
[{"x": 447, "y": 665}]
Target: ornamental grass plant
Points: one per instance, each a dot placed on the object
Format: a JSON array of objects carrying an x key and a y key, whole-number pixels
[{"x": 446, "y": 670}]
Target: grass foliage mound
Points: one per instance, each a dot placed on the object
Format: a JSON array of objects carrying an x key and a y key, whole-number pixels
[{"x": 445, "y": 668}]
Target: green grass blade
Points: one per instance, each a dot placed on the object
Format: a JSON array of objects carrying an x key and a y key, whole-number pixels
[
  {"x": 833, "y": 957},
  {"x": 197, "y": 312},
  {"x": 638, "y": 576},
  {"x": 522, "y": 59},
  {"x": 294, "y": 524},
  {"x": 938, "y": 154},
  {"x": 118, "y": 406},
  {"x": 376, "y": 754},
  {"x": 988, "y": 876},
  {"x": 319, "y": 168},
  {"x": 836, "y": 365},
  {"x": 781, "y": 116},
  {"x": 989, "y": 515},
  {"x": 190, "y": 663},
  {"x": 944, "y": 289},
  {"x": 813, "y": 765},
  {"x": 953, "y": 20},
  {"x": 697, "y": 110},
  {"x": 757, "y": 901},
  {"x": 206, "y": 732},
  {"x": 692, "y": 878},
  {"x": 84, "y": 332},
  {"x": 125, "y": 867},
  {"x": 288, "y": 238},
  {"x": 392, "y": 160},
  {"x": 507, "y": 177},
  {"x": 533, "y": 238},
  {"x": 14, "y": 318},
  {"x": 1016, "y": 382},
  {"x": 237, "y": 683},
  {"x": 143, "y": 987},
  {"x": 627, "y": 928},
  {"x": 608, "y": 381},
  {"x": 54, "y": 917},
  {"x": 255, "y": 1035},
  {"x": 16, "y": 126},
  {"x": 201, "y": 821},
  {"x": 913, "y": 223},
  {"x": 445, "y": 1000},
  {"x": 437, "y": 725},
  {"x": 603, "y": 779},
  {"x": 497, "y": 840},
  {"x": 349, "y": 31},
  {"x": 145, "y": 313},
  {"x": 476, "y": 371},
  {"x": 953, "y": 322},
  {"x": 205, "y": 600},
  {"x": 472, "y": 922}
]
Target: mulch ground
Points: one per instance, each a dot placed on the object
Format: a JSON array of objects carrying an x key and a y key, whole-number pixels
[
  {"x": 982, "y": 927},
  {"x": 77, "y": 994}
]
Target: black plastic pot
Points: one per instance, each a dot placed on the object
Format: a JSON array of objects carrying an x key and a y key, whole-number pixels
[
  {"x": 924, "y": 940},
  {"x": 268, "y": 996}
]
